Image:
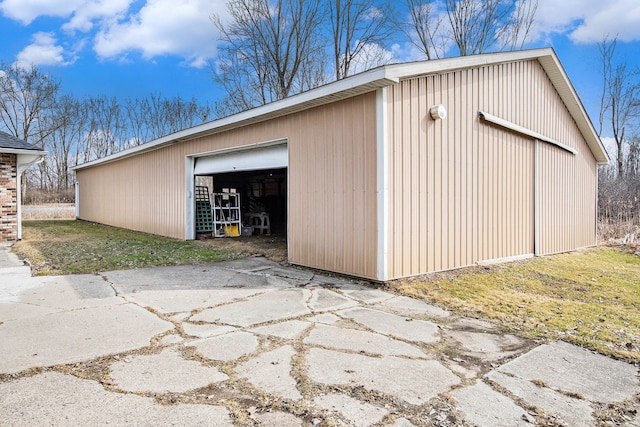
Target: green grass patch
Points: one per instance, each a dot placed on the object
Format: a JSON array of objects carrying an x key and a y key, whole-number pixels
[
  {"x": 78, "y": 247},
  {"x": 590, "y": 298}
]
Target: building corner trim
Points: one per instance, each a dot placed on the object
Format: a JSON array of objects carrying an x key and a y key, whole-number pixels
[{"x": 382, "y": 185}]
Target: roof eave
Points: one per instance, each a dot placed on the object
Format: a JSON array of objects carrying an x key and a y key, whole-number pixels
[
  {"x": 567, "y": 92},
  {"x": 22, "y": 151},
  {"x": 346, "y": 88}
]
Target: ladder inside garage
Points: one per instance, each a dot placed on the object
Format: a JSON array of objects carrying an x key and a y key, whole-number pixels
[{"x": 204, "y": 216}]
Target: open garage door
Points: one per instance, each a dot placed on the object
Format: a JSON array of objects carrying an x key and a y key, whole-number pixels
[
  {"x": 272, "y": 157},
  {"x": 257, "y": 172}
]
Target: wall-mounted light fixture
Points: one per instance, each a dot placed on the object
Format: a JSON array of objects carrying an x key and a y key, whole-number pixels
[{"x": 438, "y": 112}]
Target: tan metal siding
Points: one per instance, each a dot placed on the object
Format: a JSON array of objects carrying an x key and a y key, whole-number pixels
[
  {"x": 332, "y": 181},
  {"x": 556, "y": 202},
  {"x": 457, "y": 195},
  {"x": 586, "y": 199},
  {"x": 462, "y": 190}
]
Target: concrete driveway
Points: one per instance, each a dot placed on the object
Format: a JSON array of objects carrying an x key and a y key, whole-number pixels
[{"x": 250, "y": 342}]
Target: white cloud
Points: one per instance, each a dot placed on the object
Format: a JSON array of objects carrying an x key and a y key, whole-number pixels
[
  {"x": 165, "y": 27},
  {"x": 587, "y": 21},
  {"x": 43, "y": 51},
  {"x": 86, "y": 13},
  {"x": 26, "y": 11},
  {"x": 371, "y": 55}
]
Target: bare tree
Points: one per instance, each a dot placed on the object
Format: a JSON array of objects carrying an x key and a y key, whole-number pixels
[
  {"x": 424, "y": 28},
  {"x": 478, "y": 26},
  {"x": 620, "y": 100},
  {"x": 357, "y": 26},
  {"x": 269, "y": 50},
  {"x": 106, "y": 129},
  {"x": 72, "y": 117},
  {"x": 26, "y": 99},
  {"x": 606, "y": 50},
  {"x": 515, "y": 33},
  {"x": 156, "y": 116}
]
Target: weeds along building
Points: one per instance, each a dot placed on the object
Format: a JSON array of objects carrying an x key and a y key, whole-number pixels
[{"x": 398, "y": 171}]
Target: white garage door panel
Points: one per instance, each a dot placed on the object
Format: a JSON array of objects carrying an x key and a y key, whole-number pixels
[{"x": 256, "y": 159}]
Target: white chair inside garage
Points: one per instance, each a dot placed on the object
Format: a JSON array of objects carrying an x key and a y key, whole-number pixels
[{"x": 260, "y": 221}]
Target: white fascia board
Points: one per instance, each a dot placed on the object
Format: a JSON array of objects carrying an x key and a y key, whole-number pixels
[
  {"x": 567, "y": 92},
  {"x": 446, "y": 65},
  {"x": 21, "y": 151}
]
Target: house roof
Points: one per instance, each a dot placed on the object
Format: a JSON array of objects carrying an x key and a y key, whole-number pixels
[
  {"x": 379, "y": 77},
  {"x": 11, "y": 144}
]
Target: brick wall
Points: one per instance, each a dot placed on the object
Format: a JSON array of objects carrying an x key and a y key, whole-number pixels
[{"x": 8, "y": 198}]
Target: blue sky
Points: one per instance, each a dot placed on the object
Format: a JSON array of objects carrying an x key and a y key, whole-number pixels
[{"x": 136, "y": 47}]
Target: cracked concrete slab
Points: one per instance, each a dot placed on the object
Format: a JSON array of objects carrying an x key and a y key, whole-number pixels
[
  {"x": 414, "y": 381},
  {"x": 287, "y": 330},
  {"x": 325, "y": 300},
  {"x": 231, "y": 346},
  {"x": 19, "y": 310},
  {"x": 484, "y": 406},
  {"x": 401, "y": 422},
  {"x": 248, "y": 265},
  {"x": 396, "y": 326},
  {"x": 182, "y": 300},
  {"x": 472, "y": 325},
  {"x": 299, "y": 276},
  {"x": 326, "y": 318},
  {"x": 360, "y": 341},
  {"x": 171, "y": 339},
  {"x": 267, "y": 307},
  {"x": 72, "y": 336},
  {"x": 208, "y": 276},
  {"x": 71, "y": 293},
  {"x": 568, "y": 410},
  {"x": 484, "y": 345},
  {"x": 367, "y": 295},
  {"x": 271, "y": 372},
  {"x": 53, "y": 398},
  {"x": 412, "y": 306},
  {"x": 359, "y": 414},
  {"x": 572, "y": 369},
  {"x": 163, "y": 373},
  {"x": 79, "y": 319},
  {"x": 206, "y": 330},
  {"x": 277, "y": 419}
]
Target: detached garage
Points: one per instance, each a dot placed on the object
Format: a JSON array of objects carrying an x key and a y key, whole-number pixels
[{"x": 402, "y": 170}]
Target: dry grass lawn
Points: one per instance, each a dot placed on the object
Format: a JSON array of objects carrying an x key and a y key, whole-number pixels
[
  {"x": 590, "y": 298},
  {"x": 77, "y": 247}
]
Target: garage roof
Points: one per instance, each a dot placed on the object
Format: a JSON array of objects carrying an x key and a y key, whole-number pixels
[{"x": 377, "y": 78}]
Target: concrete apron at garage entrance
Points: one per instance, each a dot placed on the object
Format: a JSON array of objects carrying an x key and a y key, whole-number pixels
[{"x": 251, "y": 342}]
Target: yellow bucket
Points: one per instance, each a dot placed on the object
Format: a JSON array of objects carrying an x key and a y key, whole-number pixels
[{"x": 231, "y": 231}]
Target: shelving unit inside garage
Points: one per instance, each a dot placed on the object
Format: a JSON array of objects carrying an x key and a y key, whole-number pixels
[{"x": 219, "y": 213}]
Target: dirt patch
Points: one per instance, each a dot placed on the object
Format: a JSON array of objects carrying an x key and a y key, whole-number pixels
[{"x": 273, "y": 247}]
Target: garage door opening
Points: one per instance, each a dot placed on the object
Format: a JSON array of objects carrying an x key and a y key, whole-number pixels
[
  {"x": 260, "y": 192},
  {"x": 246, "y": 188}
]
